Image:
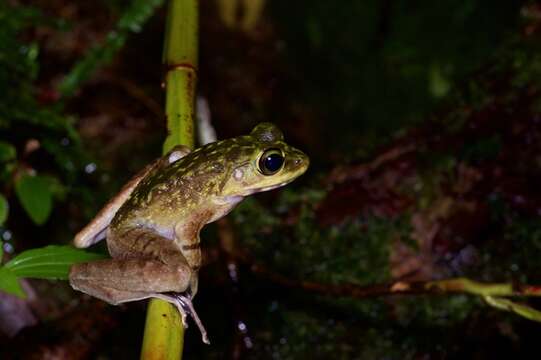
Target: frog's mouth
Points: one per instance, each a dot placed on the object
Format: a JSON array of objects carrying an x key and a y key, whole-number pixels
[
  {"x": 267, "y": 188},
  {"x": 237, "y": 198}
]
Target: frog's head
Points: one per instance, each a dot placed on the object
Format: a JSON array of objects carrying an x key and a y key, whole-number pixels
[{"x": 261, "y": 161}]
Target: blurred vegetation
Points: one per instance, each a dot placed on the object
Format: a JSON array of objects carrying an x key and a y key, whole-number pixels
[
  {"x": 424, "y": 136},
  {"x": 40, "y": 148},
  {"x": 377, "y": 66},
  {"x": 43, "y": 160}
]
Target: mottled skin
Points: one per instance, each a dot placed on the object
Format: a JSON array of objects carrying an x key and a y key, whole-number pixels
[{"x": 152, "y": 226}]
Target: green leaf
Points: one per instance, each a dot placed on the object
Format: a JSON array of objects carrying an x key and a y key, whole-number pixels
[
  {"x": 50, "y": 262},
  {"x": 9, "y": 283},
  {"x": 57, "y": 189},
  {"x": 36, "y": 197},
  {"x": 1, "y": 251},
  {"x": 4, "y": 208},
  {"x": 7, "y": 151}
]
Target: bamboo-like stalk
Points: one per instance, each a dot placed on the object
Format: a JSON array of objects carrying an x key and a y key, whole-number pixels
[
  {"x": 164, "y": 332},
  {"x": 180, "y": 60}
]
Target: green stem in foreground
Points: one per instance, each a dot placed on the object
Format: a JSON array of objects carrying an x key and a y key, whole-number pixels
[
  {"x": 180, "y": 60},
  {"x": 164, "y": 332}
]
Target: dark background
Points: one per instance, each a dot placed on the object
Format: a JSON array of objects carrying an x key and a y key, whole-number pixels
[{"x": 422, "y": 120}]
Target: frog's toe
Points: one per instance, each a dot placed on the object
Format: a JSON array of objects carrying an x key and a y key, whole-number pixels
[
  {"x": 183, "y": 315},
  {"x": 183, "y": 302}
]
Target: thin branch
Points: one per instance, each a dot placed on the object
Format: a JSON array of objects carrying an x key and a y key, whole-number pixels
[
  {"x": 492, "y": 293},
  {"x": 519, "y": 309}
]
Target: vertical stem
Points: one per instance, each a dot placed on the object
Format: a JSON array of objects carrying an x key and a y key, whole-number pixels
[
  {"x": 180, "y": 59},
  {"x": 164, "y": 332}
]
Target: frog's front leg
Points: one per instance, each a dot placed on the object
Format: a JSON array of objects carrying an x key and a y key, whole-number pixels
[{"x": 187, "y": 236}]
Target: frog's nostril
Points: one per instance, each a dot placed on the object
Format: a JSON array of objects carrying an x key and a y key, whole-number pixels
[{"x": 297, "y": 161}]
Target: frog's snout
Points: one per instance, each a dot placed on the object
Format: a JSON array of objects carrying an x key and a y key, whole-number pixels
[{"x": 300, "y": 161}]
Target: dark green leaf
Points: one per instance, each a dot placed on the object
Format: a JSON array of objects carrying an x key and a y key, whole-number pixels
[
  {"x": 50, "y": 262},
  {"x": 7, "y": 151},
  {"x": 9, "y": 283},
  {"x": 35, "y": 195},
  {"x": 4, "y": 208}
]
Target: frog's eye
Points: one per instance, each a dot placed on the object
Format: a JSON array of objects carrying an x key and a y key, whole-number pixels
[{"x": 271, "y": 161}]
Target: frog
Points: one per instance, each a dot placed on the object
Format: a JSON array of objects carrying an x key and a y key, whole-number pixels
[{"x": 152, "y": 226}]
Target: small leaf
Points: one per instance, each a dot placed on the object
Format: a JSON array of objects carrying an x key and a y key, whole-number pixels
[
  {"x": 7, "y": 151},
  {"x": 438, "y": 84},
  {"x": 9, "y": 283},
  {"x": 50, "y": 262},
  {"x": 35, "y": 195},
  {"x": 57, "y": 189},
  {"x": 4, "y": 208}
]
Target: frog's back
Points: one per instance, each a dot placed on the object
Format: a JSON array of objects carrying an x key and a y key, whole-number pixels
[
  {"x": 175, "y": 191},
  {"x": 202, "y": 185},
  {"x": 97, "y": 228}
]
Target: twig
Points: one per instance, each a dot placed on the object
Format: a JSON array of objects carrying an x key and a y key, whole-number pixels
[{"x": 492, "y": 293}]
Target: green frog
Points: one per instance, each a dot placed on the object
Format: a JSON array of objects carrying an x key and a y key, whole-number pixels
[{"x": 152, "y": 225}]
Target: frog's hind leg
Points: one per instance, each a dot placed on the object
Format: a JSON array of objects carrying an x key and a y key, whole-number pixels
[
  {"x": 119, "y": 281},
  {"x": 142, "y": 242},
  {"x": 145, "y": 265}
]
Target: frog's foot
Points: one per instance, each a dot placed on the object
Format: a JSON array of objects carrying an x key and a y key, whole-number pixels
[{"x": 183, "y": 303}]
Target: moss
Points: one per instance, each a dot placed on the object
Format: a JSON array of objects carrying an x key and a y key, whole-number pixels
[
  {"x": 390, "y": 329},
  {"x": 356, "y": 251}
]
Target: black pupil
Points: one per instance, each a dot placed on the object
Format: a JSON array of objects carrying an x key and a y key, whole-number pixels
[{"x": 273, "y": 162}]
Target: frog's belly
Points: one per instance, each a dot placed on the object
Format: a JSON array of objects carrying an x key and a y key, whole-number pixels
[
  {"x": 162, "y": 228},
  {"x": 166, "y": 230}
]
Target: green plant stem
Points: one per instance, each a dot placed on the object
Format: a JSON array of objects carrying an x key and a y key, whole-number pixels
[
  {"x": 180, "y": 59},
  {"x": 164, "y": 332},
  {"x": 511, "y": 306}
]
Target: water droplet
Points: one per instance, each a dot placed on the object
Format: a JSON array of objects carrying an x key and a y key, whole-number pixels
[
  {"x": 90, "y": 168},
  {"x": 273, "y": 306},
  {"x": 233, "y": 272},
  {"x": 514, "y": 267},
  {"x": 7, "y": 235},
  {"x": 241, "y": 326},
  {"x": 8, "y": 248}
]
